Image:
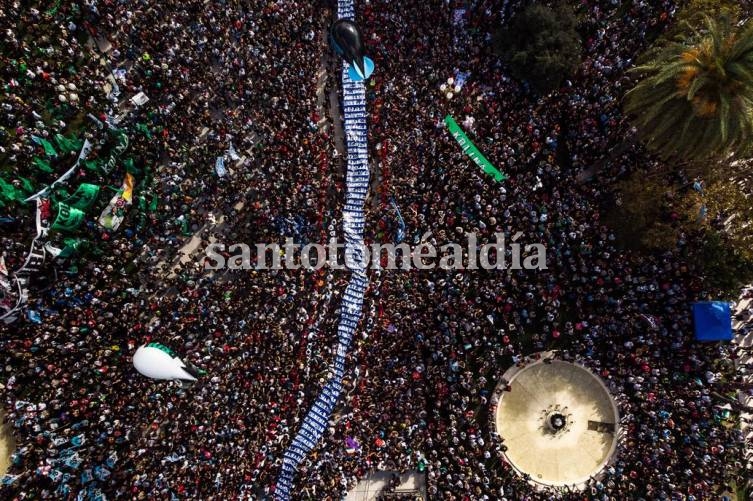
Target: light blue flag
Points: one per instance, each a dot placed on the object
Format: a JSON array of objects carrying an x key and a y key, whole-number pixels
[
  {"x": 219, "y": 167},
  {"x": 35, "y": 317},
  {"x": 400, "y": 222}
]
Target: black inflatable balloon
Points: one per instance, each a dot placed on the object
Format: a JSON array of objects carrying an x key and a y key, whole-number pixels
[{"x": 347, "y": 42}]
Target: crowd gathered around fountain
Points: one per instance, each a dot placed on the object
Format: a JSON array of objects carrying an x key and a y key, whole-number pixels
[{"x": 432, "y": 346}]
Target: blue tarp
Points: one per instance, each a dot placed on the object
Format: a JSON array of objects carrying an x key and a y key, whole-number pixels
[{"x": 712, "y": 320}]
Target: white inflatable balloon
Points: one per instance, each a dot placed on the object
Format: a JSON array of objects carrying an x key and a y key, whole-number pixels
[{"x": 155, "y": 361}]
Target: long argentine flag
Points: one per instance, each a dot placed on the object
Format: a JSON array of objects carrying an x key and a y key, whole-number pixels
[{"x": 357, "y": 182}]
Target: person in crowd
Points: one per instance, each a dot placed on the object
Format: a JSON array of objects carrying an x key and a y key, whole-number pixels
[{"x": 421, "y": 376}]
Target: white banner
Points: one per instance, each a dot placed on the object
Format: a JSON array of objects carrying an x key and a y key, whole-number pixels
[
  {"x": 357, "y": 182},
  {"x": 32, "y": 264},
  {"x": 140, "y": 99}
]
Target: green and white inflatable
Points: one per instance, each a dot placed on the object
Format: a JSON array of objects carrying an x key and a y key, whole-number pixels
[{"x": 156, "y": 361}]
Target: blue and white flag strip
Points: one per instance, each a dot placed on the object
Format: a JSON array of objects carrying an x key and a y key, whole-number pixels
[
  {"x": 400, "y": 222},
  {"x": 357, "y": 181}
]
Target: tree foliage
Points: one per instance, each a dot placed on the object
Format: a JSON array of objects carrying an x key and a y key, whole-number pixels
[
  {"x": 695, "y": 98},
  {"x": 652, "y": 213},
  {"x": 695, "y": 10},
  {"x": 656, "y": 213},
  {"x": 541, "y": 45},
  {"x": 724, "y": 267},
  {"x": 730, "y": 203}
]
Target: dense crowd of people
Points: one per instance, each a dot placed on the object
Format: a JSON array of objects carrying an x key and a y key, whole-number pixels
[{"x": 255, "y": 75}]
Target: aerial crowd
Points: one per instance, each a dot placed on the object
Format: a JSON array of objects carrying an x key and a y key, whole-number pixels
[{"x": 255, "y": 77}]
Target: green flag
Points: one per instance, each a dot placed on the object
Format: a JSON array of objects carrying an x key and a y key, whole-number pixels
[
  {"x": 42, "y": 165},
  {"x": 68, "y": 218},
  {"x": 49, "y": 150},
  {"x": 26, "y": 184},
  {"x": 67, "y": 145},
  {"x": 72, "y": 245},
  {"x": 84, "y": 196},
  {"x": 130, "y": 167},
  {"x": 471, "y": 150},
  {"x": 144, "y": 130},
  {"x": 90, "y": 164},
  {"x": 52, "y": 10},
  {"x": 153, "y": 205},
  {"x": 10, "y": 192}
]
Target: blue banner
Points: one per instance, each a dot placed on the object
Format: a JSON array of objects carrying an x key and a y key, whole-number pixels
[{"x": 357, "y": 182}]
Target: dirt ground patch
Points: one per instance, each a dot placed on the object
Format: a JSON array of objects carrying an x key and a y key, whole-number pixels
[{"x": 7, "y": 445}]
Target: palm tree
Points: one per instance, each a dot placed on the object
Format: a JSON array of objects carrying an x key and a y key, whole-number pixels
[{"x": 695, "y": 99}]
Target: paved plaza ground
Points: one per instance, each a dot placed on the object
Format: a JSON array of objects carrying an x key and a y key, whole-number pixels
[
  {"x": 6, "y": 445},
  {"x": 372, "y": 486},
  {"x": 584, "y": 437}
]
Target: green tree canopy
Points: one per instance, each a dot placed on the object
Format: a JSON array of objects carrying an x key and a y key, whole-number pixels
[
  {"x": 541, "y": 45},
  {"x": 695, "y": 98},
  {"x": 655, "y": 213}
]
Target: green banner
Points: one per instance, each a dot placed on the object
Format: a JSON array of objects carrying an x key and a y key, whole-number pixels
[
  {"x": 84, "y": 196},
  {"x": 470, "y": 149},
  {"x": 120, "y": 146},
  {"x": 68, "y": 219}
]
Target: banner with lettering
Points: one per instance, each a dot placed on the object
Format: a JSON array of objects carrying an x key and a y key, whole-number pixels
[
  {"x": 121, "y": 144},
  {"x": 34, "y": 259},
  {"x": 357, "y": 184},
  {"x": 68, "y": 218},
  {"x": 33, "y": 263},
  {"x": 471, "y": 150}
]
